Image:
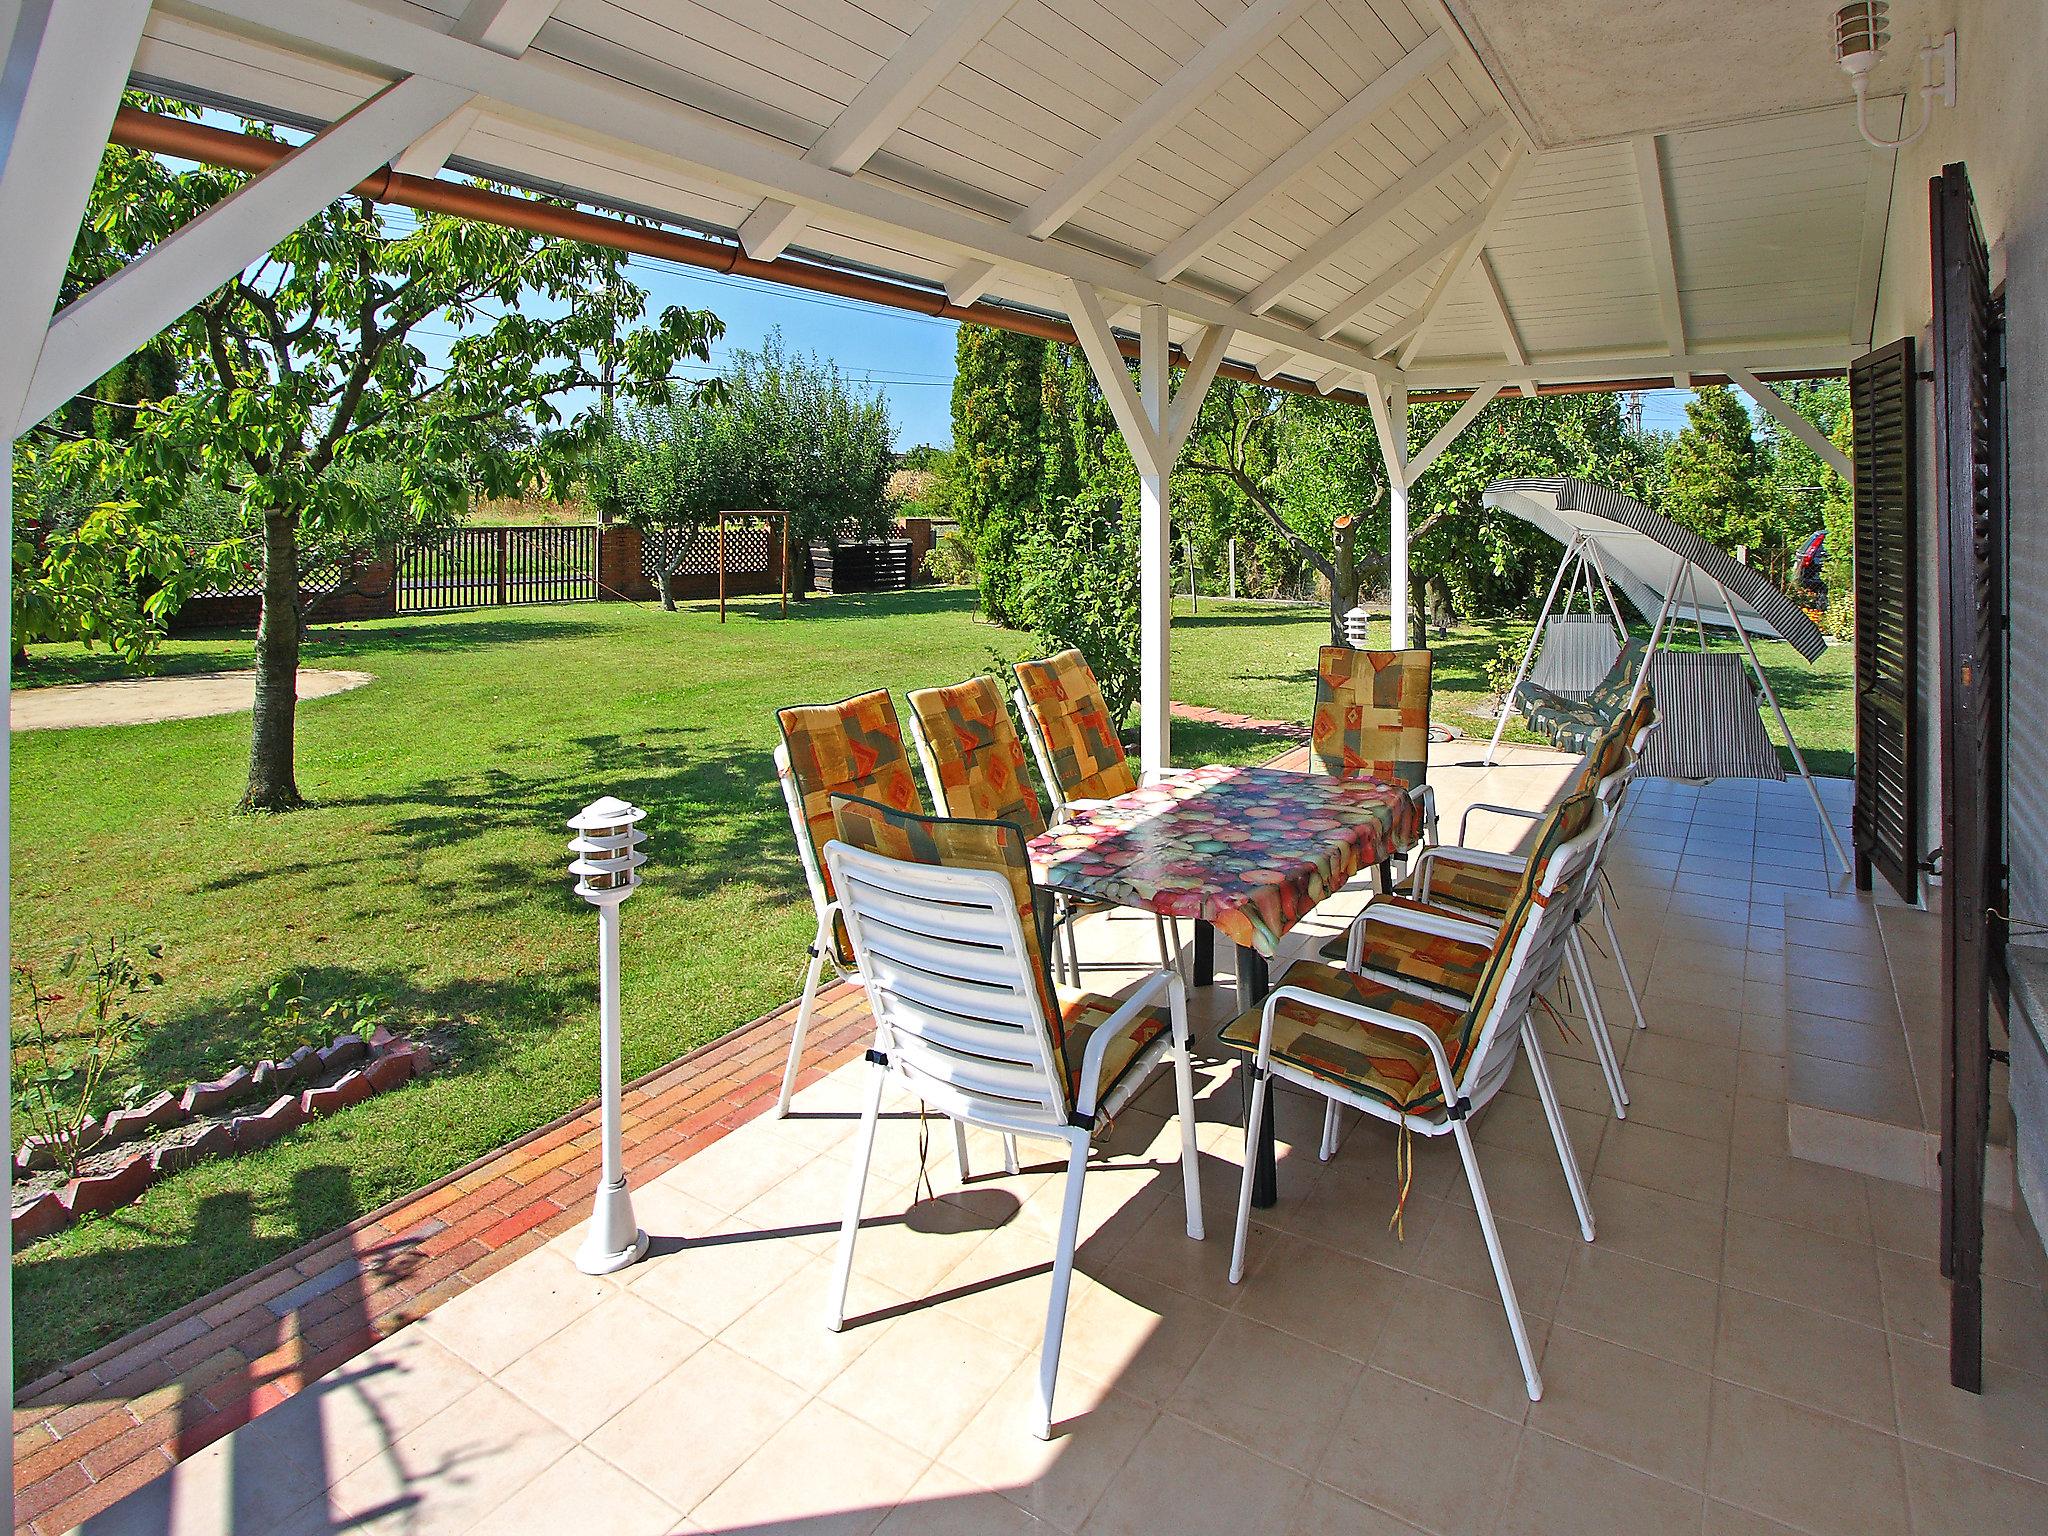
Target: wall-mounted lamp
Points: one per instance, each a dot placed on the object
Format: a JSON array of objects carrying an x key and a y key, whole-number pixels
[{"x": 1861, "y": 32}]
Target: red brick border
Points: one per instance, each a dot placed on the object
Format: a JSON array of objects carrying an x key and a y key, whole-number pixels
[{"x": 95, "y": 1430}]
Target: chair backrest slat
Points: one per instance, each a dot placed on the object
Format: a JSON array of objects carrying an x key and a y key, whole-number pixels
[
  {"x": 1079, "y": 753},
  {"x": 1371, "y": 715},
  {"x": 973, "y": 757}
]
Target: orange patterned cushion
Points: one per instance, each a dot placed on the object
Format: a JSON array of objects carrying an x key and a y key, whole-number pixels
[
  {"x": 854, "y": 747},
  {"x": 1392, "y": 1067},
  {"x": 978, "y": 753},
  {"x": 1066, "y": 702},
  {"x": 1372, "y": 715}
]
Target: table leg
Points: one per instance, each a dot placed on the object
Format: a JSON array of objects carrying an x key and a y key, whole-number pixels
[
  {"x": 1386, "y": 876},
  {"x": 1205, "y": 953},
  {"x": 1253, "y": 983}
]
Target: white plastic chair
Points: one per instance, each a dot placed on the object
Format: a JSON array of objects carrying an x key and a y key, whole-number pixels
[
  {"x": 961, "y": 1023},
  {"x": 1530, "y": 948}
]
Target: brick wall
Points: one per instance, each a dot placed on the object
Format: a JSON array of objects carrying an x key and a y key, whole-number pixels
[
  {"x": 619, "y": 577},
  {"x": 371, "y": 594}
]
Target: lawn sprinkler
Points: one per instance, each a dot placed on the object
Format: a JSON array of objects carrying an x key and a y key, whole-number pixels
[{"x": 607, "y": 872}]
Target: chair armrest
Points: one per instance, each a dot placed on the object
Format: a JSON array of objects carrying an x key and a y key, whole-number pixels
[
  {"x": 1465, "y": 820},
  {"x": 1457, "y": 853},
  {"x": 1437, "y": 922},
  {"x": 1364, "y": 1015},
  {"x": 1425, "y": 799},
  {"x": 1129, "y": 1012}
]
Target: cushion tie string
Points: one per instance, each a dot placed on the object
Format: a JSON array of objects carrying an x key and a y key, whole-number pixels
[{"x": 1404, "y": 1170}]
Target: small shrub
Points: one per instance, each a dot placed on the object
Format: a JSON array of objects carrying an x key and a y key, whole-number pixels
[
  {"x": 60, "y": 1064},
  {"x": 1502, "y": 666},
  {"x": 289, "y": 1019},
  {"x": 1080, "y": 590},
  {"x": 950, "y": 562}
]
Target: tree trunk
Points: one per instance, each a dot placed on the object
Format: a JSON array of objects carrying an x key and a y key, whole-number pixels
[
  {"x": 1344, "y": 580},
  {"x": 273, "y": 786},
  {"x": 668, "y": 588}
]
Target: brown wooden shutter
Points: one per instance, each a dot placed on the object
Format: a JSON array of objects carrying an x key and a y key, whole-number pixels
[{"x": 1886, "y": 822}]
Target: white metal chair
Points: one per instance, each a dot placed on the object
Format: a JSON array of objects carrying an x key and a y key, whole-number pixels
[
  {"x": 1422, "y": 1064},
  {"x": 968, "y": 1021}
]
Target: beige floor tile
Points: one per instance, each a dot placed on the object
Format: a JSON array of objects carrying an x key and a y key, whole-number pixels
[
  {"x": 1351, "y": 1208},
  {"x": 606, "y": 1358},
  {"x": 1806, "y": 1268},
  {"x": 1271, "y": 1392},
  {"x": 358, "y": 1412},
  {"x": 1761, "y": 1075},
  {"x": 1811, "y": 1357},
  {"x": 2015, "y": 1316},
  {"x": 824, "y": 1473},
  {"x": 1525, "y": 1186},
  {"x": 1687, "y": 1017},
  {"x": 1728, "y": 1520},
  {"x": 1633, "y": 1407},
  {"x": 1804, "y": 1194},
  {"x": 1806, "y": 1468},
  {"x": 712, "y": 1278},
  {"x": 1326, "y": 1512},
  {"x": 686, "y": 1434},
  {"x": 1636, "y": 1153},
  {"x": 1560, "y": 1487},
  {"x": 1057, "y": 1480},
  {"x": 1161, "y": 1249},
  {"x": 457, "y": 1467},
  {"x": 1004, "y": 1285},
  {"x": 219, "y": 1490},
  {"x": 490, "y": 1326},
  {"x": 1319, "y": 1294},
  {"x": 1183, "y": 1479},
  {"x": 2012, "y": 1250},
  {"x": 786, "y": 1331},
  {"x": 1954, "y": 1497},
  {"x": 1457, "y": 1343},
  {"x": 2005, "y": 1426},
  {"x": 581, "y": 1493},
  {"x": 1392, "y": 1427},
  {"x": 1640, "y": 1305},
  {"x": 923, "y": 1378},
  {"x": 1455, "y": 1255},
  {"x": 1657, "y": 1054},
  {"x": 1138, "y": 1336},
  {"x": 738, "y": 1169},
  {"x": 1664, "y": 1229},
  {"x": 1666, "y": 1103},
  {"x": 944, "y": 1503},
  {"x": 1884, "y": 1094},
  {"x": 808, "y": 1204}
]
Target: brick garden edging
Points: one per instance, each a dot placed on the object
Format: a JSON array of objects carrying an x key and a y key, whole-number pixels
[
  {"x": 387, "y": 1062},
  {"x": 93, "y": 1431}
]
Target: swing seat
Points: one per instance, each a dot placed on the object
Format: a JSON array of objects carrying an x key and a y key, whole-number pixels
[
  {"x": 1571, "y": 723},
  {"x": 1578, "y": 649},
  {"x": 1712, "y": 729}
]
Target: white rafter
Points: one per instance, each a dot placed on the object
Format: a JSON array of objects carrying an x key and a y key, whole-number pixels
[
  {"x": 1451, "y": 430},
  {"x": 1663, "y": 257},
  {"x": 883, "y": 105},
  {"x": 580, "y": 100},
  {"x": 1782, "y": 411},
  {"x": 1335, "y": 129},
  {"x": 1497, "y": 199},
  {"x": 1330, "y": 379},
  {"x": 1098, "y": 344},
  {"x": 1204, "y": 358},
  {"x": 503, "y": 26},
  {"x": 65, "y": 66},
  {"x": 1273, "y": 364},
  {"x": 109, "y": 321},
  {"x": 1383, "y": 206},
  {"x": 1818, "y": 356},
  {"x": 1397, "y": 274},
  {"x": 1504, "y": 318}
]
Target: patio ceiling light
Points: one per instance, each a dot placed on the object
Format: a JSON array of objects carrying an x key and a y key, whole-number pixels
[
  {"x": 1861, "y": 31},
  {"x": 607, "y": 868}
]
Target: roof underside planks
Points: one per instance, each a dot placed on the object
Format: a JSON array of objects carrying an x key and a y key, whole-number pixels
[{"x": 1767, "y": 217}]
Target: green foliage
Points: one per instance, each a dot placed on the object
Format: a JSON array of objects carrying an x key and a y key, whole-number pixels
[
  {"x": 290, "y": 1019},
  {"x": 951, "y": 561},
  {"x": 998, "y": 460},
  {"x": 58, "y": 1068},
  {"x": 1503, "y": 664},
  {"x": 1720, "y": 485},
  {"x": 1079, "y": 588}
]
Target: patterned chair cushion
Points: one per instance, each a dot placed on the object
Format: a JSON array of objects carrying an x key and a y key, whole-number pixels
[
  {"x": 979, "y": 755},
  {"x": 1576, "y": 726},
  {"x": 854, "y": 747},
  {"x": 1611, "y": 695},
  {"x": 1081, "y": 1014},
  {"x": 1450, "y": 966},
  {"x": 1477, "y": 888},
  {"x": 1065, "y": 701},
  {"x": 1372, "y": 715}
]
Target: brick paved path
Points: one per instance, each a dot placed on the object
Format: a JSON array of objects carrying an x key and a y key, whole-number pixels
[{"x": 88, "y": 1434}]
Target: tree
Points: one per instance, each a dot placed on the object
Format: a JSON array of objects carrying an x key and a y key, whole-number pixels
[
  {"x": 999, "y": 418},
  {"x": 303, "y": 371},
  {"x": 1719, "y": 478}
]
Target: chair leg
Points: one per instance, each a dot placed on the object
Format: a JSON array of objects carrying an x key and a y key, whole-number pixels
[
  {"x": 1329, "y": 1148},
  {"x": 1251, "y": 1158},
  {"x": 1073, "y": 949},
  {"x": 864, "y": 1151},
  {"x": 1553, "y": 1111},
  {"x": 960, "y": 1150},
  {"x": 1062, "y": 1278},
  {"x": 1596, "y": 1021},
  {"x": 1184, "y": 1097},
  {"x": 1628, "y": 982},
  {"x": 803, "y": 1026},
  {"x": 1009, "y": 1153},
  {"x": 1530, "y": 1378}
]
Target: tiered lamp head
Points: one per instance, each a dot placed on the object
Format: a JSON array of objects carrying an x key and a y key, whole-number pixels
[{"x": 606, "y": 846}]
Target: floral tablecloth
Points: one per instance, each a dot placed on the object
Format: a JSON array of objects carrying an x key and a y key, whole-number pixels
[{"x": 1247, "y": 849}]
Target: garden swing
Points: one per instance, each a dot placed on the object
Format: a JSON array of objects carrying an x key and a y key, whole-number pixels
[{"x": 1708, "y": 699}]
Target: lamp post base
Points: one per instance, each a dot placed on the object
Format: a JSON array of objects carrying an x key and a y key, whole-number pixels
[{"x": 613, "y": 1241}]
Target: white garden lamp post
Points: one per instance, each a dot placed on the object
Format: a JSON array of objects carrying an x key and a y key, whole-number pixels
[{"x": 606, "y": 870}]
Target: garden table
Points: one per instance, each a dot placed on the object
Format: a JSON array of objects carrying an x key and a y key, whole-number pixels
[{"x": 1244, "y": 851}]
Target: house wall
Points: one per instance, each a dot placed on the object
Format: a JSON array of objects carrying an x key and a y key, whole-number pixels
[{"x": 1999, "y": 131}]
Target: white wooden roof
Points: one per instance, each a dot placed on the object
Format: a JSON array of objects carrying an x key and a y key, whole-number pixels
[{"x": 1357, "y": 187}]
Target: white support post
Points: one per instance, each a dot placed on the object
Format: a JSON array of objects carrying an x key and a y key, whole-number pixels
[
  {"x": 99, "y": 329},
  {"x": 1390, "y": 422},
  {"x": 1782, "y": 412},
  {"x": 1756, "y": 667},
  {"x": 1571, "y": 552},
  {"x": 1155, "y": 550}
]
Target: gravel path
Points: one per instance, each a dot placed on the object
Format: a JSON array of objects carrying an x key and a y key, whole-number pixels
[{"x": 144, "y": 700}]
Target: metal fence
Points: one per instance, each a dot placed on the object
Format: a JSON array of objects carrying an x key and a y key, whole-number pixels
[{"x": 498, "y": 567}]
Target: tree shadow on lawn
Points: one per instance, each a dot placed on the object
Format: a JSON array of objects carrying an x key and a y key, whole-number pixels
[{"x": 828, "y": 606}]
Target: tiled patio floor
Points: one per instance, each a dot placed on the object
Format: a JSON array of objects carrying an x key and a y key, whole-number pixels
[{"x": 1752, "y": 1343}]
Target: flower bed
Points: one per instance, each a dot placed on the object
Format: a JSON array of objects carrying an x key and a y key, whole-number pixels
[{"x": 183, "y": 1128}]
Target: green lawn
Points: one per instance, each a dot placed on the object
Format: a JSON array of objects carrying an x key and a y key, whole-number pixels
[{"x": 429, "y": 872}]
